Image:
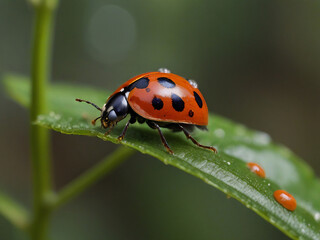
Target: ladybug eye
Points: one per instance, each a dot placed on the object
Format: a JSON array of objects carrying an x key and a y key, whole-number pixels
[{"x": 112, "y": 115}]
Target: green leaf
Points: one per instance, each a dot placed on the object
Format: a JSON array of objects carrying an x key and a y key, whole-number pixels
[
  {"x": 13, "y": 211},
  {"x": 226, "y": 170}
]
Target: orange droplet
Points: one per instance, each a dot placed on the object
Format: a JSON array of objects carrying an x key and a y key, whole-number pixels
[
  {"x": 257, "y": 169},
  {"x": 285, "y": 199}
]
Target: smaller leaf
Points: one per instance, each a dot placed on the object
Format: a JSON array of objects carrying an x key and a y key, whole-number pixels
[{"x": 13, "y": 211}]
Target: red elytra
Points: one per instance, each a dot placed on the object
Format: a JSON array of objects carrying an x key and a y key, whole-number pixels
[
  {"x": 285, "y": 199},
  {"x": 140, "y": 99},
  {"x": 257, "y": 169},
  {"x": 161, "y": 99}
]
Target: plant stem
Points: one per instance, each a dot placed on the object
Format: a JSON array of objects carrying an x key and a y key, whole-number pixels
[
  {"x": 44, "y": 202},
  {"x": 40, "y": 156},
  {"x": 94, "y": 174}
]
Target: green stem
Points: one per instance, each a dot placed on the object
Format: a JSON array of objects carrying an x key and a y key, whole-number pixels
[
  {"x": 94, "y": 174},
  {"x": 40, "y": 156}
]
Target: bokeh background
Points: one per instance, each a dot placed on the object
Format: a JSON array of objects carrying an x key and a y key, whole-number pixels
[{"x": 256, "y": 62}]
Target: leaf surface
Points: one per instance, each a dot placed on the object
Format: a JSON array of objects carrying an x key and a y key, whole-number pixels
[{"x": 227, "y": 170}]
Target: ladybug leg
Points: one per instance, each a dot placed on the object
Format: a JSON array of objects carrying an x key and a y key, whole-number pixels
[
  {"x": 121, "y": 137},
  {"x": 163, "y": 140},
  {"x": 195, "y": 141},
  {"x": 109, "y": 130},
  {"x": 131, "y": 121}
]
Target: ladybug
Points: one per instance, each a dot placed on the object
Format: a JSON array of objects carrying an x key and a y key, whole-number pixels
[{"x": 162, "y": 100}]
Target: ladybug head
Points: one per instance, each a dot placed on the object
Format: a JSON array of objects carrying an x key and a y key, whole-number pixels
[{"x": 113, "y": 111}]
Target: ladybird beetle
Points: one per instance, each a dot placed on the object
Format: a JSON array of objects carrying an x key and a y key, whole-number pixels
[
  {"x": 161, "y": 99},
  {"x": 257, "y": 169},
  {"x": 285, "y": 199}
]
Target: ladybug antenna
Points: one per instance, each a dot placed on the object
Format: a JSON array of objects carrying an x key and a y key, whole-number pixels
[
  {"x": 94, "y": 120},
  {"x": 80, "y": 100}
]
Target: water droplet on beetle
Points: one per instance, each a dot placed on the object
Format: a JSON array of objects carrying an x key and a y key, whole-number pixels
[{"x": 164, "y": 70}]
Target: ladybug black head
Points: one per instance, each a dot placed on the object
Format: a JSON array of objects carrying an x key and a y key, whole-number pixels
[{"x": 113, "y": 111}]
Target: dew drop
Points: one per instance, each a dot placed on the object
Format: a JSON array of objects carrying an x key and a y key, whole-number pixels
[
  {"x": 219, "y": 132},
  {"x": 285, "y": 199},
  {"x": 261, "y": 138},
  {"x": 317, "y": 216},
  {"x": 54, "y": 115},
  {"x": 257, "y": 169}
]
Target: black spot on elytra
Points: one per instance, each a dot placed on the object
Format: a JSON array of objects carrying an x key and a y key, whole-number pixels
[
  {"x": 166, "y": 82},
  {"x": 198, "y": 99},
  {"x": 191, "y": 113},
  {"x": 147, "y": 89},
  {"x": 141, "y": 84},
  {"x": 177, "y": 103},
  {"x": 157, "y": 103}
]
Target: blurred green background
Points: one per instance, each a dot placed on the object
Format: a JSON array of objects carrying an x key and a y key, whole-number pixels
[{"x": 256, "y": 62}]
